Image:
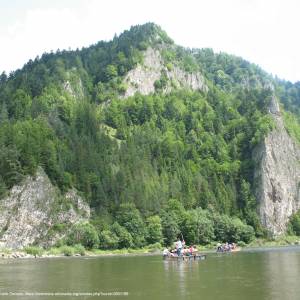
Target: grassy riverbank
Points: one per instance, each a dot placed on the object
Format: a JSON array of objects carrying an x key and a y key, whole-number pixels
[{"x": 79, "y": 250}]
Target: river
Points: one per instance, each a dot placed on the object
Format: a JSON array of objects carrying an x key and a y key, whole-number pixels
[{"x": 248, "y": 275}]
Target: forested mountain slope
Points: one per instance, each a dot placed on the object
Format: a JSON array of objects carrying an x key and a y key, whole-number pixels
[{"x": 158, "y": 139}]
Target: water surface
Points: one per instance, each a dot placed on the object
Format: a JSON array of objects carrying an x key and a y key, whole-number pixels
[{"x": 257, "y": 274}]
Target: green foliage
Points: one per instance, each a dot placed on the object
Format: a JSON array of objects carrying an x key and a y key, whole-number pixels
[
  {"x": 232, "y": 229},
  {"x": 67, "y": 250},
  {"x": 129, "y": 217},
  {"x": 79, "y": 249},
  {"x": 3, "y": 189},
  {"x": 229, "y": 72},
  {"x": 108, "y": 240},
  {"x": 84, "y": 234},
  {"x": 154, "y": 230},
  {"x": 289, "y": 95},
  {"x": 241, "y": 232},
  {"x": 168, "y": 155},
  {"x": 198, "y": 228},
  {"x": 222, "y": 227},
  {"x": 111, "y": 72},
  {"x": 124, "y": 237},
  {"x": 170, "y": 228},
  {"x": 161, "y": 83},
  {"x": 294, "y": 223},
  {"x": 292, "y": 124},
  {"x": 33, "y": 250}
]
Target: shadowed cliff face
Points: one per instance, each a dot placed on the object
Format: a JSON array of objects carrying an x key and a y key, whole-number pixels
[
  {"x": 33, "y": 208},
  {"x": 277, "y": 175}
]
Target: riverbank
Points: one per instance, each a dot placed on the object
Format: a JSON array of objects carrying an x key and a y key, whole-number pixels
[
  {"x": 67, "y": 251},
  {"x": 78, "y": 250}
]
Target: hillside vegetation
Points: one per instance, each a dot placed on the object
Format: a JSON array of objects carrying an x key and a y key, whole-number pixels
[{"x": 150, "y": 166}]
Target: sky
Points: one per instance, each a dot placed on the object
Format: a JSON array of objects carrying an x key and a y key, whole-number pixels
[{"x": 265, "y": 32}]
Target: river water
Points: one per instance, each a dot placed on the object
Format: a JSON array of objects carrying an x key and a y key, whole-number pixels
[{"x": 248, "y": 275}]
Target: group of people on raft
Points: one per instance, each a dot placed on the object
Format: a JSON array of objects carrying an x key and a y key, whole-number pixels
[
  {"x": 227, "y": 247},
  {"x": 180, "y": 250}
]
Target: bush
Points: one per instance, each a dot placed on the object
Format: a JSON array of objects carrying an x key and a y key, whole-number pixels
[
  {"x": 6, "y": 250},
  {"x": 241, "y": 244},
  {"x": 232, "y": 229},
  {"x": 84, "y": 234},
  {"x": 129, "y": 217},
  {"x": 59, "y": 227},
  {"x": 108, "y": 240},
  {"x": 170, "y": 227},
  {"x": 294, "y": 224},
  {"x": 247, "y": 234},
  {"x": 240, "y": 231},
  {"x": 154, "y": 247},
  {"x": 169, "y": 66},
  {"x": 54, "y": 251},
  {"x": 67, "y": 250},
  {"x": 222, "y": 228},
  {"x": 154, "y": 230},
  {"x": 124, "y": 237},
  {"x": 35, "y": 251},
  {"x": 78, "y": 248},
  {"x": 198, "y": 227}
]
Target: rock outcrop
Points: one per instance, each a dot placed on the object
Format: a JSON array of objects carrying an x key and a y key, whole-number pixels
[
  {"x": 143, "y": 77},
  {"x": 277, "y": 175},
  {"x": 33, "y": 208},
  {"x": 73, "y": 84}
]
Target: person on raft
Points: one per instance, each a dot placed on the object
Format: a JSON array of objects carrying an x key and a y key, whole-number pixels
[{"x": 179, "y": 246}]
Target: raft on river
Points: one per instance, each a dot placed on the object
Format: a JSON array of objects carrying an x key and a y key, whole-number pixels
[{"x": 184, "y": 257}]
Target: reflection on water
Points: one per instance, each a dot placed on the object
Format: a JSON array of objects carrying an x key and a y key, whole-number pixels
[
  {"x": 262, "y": 275},
  {"x": 180, "y": 274},
  {"x": 283, "y": 274}
]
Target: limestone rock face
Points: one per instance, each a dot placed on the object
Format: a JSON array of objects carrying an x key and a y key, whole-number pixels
[
  {"x": 142, "y": 78},
  {"x": 33, "y": 208},
  {"x": 277, "y": 175}
]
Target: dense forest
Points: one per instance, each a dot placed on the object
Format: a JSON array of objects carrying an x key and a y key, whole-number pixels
[{"x": 150, "y": 166}]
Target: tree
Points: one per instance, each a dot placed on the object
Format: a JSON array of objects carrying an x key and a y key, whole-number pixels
[
  {"x": 3, "y": 189},
  {"x": 154, "y": 230},
  {"x": 111, "y": 72},
  {"x": 295, "y": 223},
  {"x": 108, "y": 240},
  {"x": 198, "y": 228},
  {"x": 10, "y": 167},
  {"x": 170, "y": 227},
  {"x": 129, "y": 217},
  {"x": 124, "y": 237},
  {"x": 20, "y": 105},
  {"x": 3, "y": 113},
  {"x": 84, "y": 234}
]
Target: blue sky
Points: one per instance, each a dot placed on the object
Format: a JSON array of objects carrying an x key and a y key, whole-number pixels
[{"x": 262, "y": 31}]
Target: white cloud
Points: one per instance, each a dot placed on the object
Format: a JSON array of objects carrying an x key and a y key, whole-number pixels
[{"x": 264, "y": 32}]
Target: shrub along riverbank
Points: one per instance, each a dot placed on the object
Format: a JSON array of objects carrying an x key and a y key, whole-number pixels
[{"x": 130, "y": 230}]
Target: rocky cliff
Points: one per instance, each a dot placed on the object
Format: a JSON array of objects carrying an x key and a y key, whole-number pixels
[
  {"x": 143, "y": 77},
  {"x": 34, "y": 208},
  {"x": 277, "y": 175}
]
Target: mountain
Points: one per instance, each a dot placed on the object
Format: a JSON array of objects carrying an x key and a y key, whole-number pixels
[{"x": 156, "y": 138}]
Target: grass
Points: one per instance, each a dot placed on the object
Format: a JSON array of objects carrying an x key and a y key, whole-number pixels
[
  {"x": 280, "y": 241},
  {"x": 5, "y": 250},
  {"x": 35, "y": 251},
  {"x": 67, "y": 250}
]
